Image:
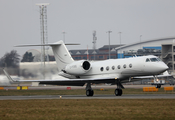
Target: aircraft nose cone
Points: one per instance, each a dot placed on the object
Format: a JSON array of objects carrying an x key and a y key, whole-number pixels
[
  {"x": 164, "y": 67},
  {"x": 167, "y": 67}
]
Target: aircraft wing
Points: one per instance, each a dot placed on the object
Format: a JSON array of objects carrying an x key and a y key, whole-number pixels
[{"x": 75, "y": 82}]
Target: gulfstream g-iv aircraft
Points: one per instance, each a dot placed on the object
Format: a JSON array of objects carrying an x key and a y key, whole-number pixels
[{"x": 112, "y": 71}]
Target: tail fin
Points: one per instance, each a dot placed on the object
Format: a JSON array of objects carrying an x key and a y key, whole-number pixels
[
  {"x": 60, "y": 51},
  {"x": 62, "y": 55}
]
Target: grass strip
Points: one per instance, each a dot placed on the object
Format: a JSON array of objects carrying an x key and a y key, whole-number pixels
[{"x": 134, "y": 109}]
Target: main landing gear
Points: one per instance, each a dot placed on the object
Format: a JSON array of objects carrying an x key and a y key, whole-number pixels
[
  {"x": 118, "y": 91},
  {"x": 89, "y": 91}
]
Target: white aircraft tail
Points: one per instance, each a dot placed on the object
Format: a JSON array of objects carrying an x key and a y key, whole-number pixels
[{"x": 62, "y": 55}]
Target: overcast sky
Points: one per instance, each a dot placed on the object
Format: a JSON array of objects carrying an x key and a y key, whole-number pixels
[{"x": 20, "y": 23}]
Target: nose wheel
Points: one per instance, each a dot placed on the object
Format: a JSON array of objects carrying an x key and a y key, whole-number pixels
[
  {"x": 118, "y": 92},
  {"x": 158, "y": 86}
]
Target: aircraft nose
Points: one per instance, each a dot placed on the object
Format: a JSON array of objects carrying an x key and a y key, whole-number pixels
[{"x": 163, "y": 67}]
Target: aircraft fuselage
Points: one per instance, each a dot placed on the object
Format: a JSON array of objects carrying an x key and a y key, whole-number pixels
[{"x": 124, "y": 68}]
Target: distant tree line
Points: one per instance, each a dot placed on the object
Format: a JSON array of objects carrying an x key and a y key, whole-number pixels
[
  {"x": 10, "y": 59},
  {"x": 28, "y": 57},
  {"x": 11, "y": 62}
]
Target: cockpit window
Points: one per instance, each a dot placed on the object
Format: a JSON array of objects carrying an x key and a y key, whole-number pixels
[
  {"x": 159, "y": 59},
  {"x": 153, "y": 59},
  {"x": 147, "y": 60}
]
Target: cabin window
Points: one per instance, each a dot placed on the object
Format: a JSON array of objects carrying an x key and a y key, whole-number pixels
[
  {"x": 101, "y": 68},
  {"x": 130, "y": 65},
  {"x": 147, "y": 60},
  {"x": 107, "y": 68},
  {"x": 124, "y": 66},
  {"x": 113, "y": 67},
  {"x": 118, "y": 66}
]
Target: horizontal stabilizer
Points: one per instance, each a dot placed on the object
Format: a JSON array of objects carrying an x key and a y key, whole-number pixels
[{"x": 49, "y": 44}]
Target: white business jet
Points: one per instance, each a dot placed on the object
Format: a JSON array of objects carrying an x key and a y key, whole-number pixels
[{"x": 112, "y": 71}]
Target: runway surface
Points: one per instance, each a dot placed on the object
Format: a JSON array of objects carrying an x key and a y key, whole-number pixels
[
  {"x": 135, "y": 96},
  {"x": 50, "y": 87}
]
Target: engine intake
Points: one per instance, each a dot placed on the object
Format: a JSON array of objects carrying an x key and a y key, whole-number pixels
[
  {"x": 86, "y": 65},
  {"x": 78, "y": 67}
]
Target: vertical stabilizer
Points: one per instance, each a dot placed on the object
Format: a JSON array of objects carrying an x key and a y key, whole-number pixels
[{"x": 61, "y": 54}]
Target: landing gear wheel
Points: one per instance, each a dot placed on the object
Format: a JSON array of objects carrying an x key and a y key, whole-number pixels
[
  {"x": 158, "y": 86},
  {"x": 118, "y": 92},
  {"x": 89, "y": 92},
  {"x": 92, "y": 92}
]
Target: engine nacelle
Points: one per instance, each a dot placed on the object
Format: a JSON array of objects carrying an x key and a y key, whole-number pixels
[{"x": 78, "y": 67}]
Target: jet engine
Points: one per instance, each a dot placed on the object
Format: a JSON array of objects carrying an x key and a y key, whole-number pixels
[{"x": 78, "y": 67}]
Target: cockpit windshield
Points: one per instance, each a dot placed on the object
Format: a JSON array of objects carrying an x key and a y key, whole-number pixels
[
  {"x": 153, "y": 60},
  {"x": 159, "y": 59}
]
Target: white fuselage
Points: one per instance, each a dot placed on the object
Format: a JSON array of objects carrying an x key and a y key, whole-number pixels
[{"x": 124, "y": 68}]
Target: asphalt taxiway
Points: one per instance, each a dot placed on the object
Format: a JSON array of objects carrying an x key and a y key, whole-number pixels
[{"x": 135, "y": 96}]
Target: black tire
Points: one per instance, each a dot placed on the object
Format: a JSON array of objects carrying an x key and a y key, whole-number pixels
[
  {"x": 158, "y": 86},
  {"x": 118, "y": 92},
  {"x": 92, "y": 92},
  {"x": 89, "y": 92}
]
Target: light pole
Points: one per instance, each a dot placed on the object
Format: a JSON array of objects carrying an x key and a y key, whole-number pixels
[
  {"x": 140, "y": 41},
  {"x": 109, "y": 43},
  {"x": 64, "y": 36},
  {"x": 43, "y": 27},
  {"x": 140, "y": 48},
  {"x": 120, "y": 43}
]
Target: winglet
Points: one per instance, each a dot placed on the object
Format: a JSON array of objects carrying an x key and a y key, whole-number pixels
[{"x": 8, "y": 76}]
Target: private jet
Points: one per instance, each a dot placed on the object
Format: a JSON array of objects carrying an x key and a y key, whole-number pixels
[{"x": 111, "y": 71}]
